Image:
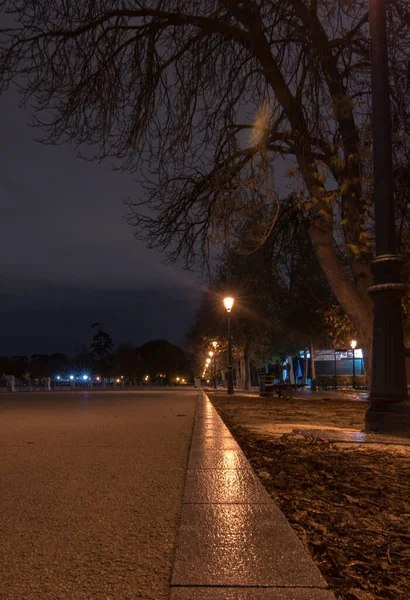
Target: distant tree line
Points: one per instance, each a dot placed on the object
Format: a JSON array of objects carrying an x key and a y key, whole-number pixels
[{"x": 160, "y": 360}]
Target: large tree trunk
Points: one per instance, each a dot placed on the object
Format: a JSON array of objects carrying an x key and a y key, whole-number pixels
[
  {"x": 358, "y": 310},
  {"x": 245, "y": 382}
]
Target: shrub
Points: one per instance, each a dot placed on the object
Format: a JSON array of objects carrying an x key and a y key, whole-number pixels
[{"x": 328, "y": 381}]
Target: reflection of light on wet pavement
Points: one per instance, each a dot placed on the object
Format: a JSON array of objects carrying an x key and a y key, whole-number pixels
[
  {"x": 230, "y": 459},
  {"x": 228, "y": 486},
  {"x": 233, "y": 538}
]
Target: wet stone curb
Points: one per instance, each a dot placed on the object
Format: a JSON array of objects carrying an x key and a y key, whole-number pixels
[{"x": 234, "y": 543}]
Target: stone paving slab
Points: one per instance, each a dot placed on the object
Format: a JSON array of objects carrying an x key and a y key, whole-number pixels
[
  {"x": 234, "y": 542},
  {"x": 240, "y": 545},
  {"x": 208, "y": 425},
  {"x": 251, "y": 593},
  {"x": 211, "y": 433},
  {"x": 219, "y": 458},
  {"x": 223, "y": 486},
  {"x": 205, "y": 443}
]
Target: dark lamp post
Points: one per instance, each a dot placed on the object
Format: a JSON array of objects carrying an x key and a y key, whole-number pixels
[
  {"x": 389, "y": 411},
  {"x": 228, "y": 303}
]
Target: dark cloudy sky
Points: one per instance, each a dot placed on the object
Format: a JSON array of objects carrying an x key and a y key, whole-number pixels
[{"x": 67, "y": 257}]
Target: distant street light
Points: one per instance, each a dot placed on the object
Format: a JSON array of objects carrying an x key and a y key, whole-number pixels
[
  {"x": 228, "y": 303},
  {"x": 353, "y": 345},
  {"x": 389, "y": 410}
]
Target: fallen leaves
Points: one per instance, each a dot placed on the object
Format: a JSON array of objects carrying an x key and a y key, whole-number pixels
[{"x": 350, "y": 508}]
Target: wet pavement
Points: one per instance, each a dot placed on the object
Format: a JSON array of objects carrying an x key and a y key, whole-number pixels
[{"x": 234, "y": 543}]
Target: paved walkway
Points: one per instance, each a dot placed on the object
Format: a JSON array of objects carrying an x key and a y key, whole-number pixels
[
  {"x": 91, "y": 497},
  {"x": 234, "y": 543},
  {"x": 91, "y": 489}
]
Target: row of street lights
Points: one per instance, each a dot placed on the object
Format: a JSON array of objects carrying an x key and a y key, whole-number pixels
[
  {"x": 389, "y": 410},
  {"x": 228, "y": 304}
]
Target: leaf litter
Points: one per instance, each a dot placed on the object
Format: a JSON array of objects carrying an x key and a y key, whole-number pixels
[{"x": 350, "y": 507}]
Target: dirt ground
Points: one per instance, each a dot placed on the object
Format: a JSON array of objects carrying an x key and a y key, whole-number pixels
[{"x": 348, "y": 502}]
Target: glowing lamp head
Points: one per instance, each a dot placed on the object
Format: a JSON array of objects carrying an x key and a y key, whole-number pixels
[
  {"x": 97, "y": 378},
  {"x": 353, "y": 344},
  {"x": 211, "y": 353},
  {"x": 208, "y": 360},
  {"x": 228, "y": 303},
  {"x": 85, "y": 377},
  {"x": 71, "y": 377},
  {"x": 58, "y": 377},
  {"x": 214, "y": 344}
]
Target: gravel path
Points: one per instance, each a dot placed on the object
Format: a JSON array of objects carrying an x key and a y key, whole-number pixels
[{"x": 91, "y": 492}]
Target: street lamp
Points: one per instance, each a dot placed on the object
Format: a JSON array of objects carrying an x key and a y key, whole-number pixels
[
  {"x": 389, "y": 410},
  {"x": 228, "y": 303},
  {"x": 353, "y": 345},
  {"x": 215, "y": 345}
]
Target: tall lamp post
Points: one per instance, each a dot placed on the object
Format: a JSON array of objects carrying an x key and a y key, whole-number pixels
[
  {"x": 389, "y": 411},
  {"x": 228, "y": 303},
  {"x": 353, "y": 345}
]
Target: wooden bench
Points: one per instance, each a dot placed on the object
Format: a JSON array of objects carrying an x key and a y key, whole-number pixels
[{"x": 283, "y": 390}]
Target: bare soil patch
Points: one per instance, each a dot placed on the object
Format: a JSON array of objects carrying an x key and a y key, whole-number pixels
[{"x": 348, "y": 503}]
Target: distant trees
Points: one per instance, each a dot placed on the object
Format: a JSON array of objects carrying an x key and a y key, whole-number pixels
[
  {"x": 159, "y": 359},
  {"x": 102, "y": 349},
  {"x": 126, "y": 362},
  {"x": 163, "y": 362},
  {"x": 14, "y": 365},
  {"x": 280, "y": 295}
]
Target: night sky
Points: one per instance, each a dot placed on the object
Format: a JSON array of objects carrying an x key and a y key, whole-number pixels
[{"x": 67, "y": 256}]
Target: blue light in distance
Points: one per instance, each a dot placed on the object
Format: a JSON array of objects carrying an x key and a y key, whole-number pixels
[
  {"x": 85, "y": 377},
  {"x": 58, "y": 377},
  {"x": 71, "y": 377}
]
